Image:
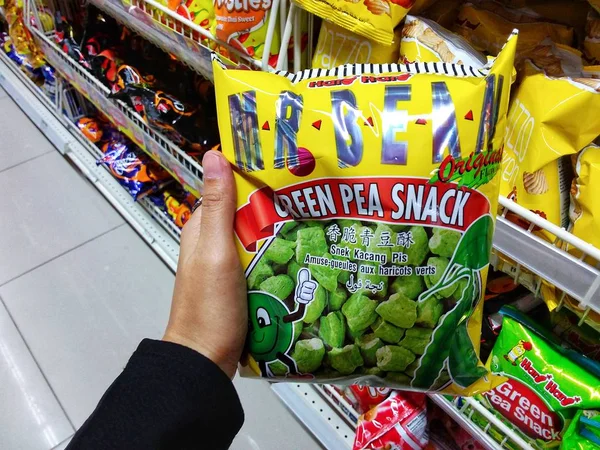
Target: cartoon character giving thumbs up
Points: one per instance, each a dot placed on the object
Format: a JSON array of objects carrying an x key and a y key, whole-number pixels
[{"x": 271, "y": 328}]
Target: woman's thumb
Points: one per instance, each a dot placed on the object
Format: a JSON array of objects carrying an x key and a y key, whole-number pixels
[{"x": 218, "y": 198}]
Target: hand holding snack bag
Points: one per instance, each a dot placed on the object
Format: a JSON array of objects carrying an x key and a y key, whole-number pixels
[{"x": 394, "y": 243}]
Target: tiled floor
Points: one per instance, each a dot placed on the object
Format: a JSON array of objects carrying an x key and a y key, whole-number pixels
[{"x": 79, "y": 289}]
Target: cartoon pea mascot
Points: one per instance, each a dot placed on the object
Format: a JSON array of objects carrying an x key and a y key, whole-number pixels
[{"x": 271, "y": 327}]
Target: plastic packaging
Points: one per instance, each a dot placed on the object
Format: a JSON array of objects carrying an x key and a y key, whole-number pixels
[{"x": 364, "y": 266}]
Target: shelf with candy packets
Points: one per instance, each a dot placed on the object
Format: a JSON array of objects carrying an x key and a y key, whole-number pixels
[
  {"x": 54, "y": 116},
  {"x": 561, "y": 277},
  {"x": 180, "y": 165},
  {"x": 176, "y": 35}
]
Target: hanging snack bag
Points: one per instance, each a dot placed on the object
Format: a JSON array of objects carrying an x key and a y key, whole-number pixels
[
  {"x": 426, "y": 41},
  {"x": 584, "y": 212},
  {"x": 373, "y": 19},
  {"x": 543, "y": 132},
  {"x": 366, "y": 203},
  {"x": 337, "y": 46},
  {"x": 243, "y": 25},
  {"x": 487, "y": 24},
  {"x": 584, "y": 431},
  {"x": 546, "y": 383}
]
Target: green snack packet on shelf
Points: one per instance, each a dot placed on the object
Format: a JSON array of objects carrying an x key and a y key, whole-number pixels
[
  {"x": 584, "y": 431},
  {"x": 546, "y": 384}
]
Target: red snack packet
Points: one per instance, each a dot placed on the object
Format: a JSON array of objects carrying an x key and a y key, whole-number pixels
[
  {"x": 399, "y": 422},
  {"x": 363, "y": 398}
]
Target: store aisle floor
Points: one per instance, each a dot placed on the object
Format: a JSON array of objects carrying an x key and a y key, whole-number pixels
[{"x": 79, "y": 289}]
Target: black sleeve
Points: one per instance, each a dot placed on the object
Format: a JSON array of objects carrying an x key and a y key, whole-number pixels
[{"x": 168, "y": 397}]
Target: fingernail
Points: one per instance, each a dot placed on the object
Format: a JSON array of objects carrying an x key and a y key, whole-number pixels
[{"x": 213, "y": 166}]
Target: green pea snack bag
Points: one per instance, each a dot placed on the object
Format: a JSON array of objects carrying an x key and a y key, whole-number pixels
[
  {"x": 583, "y": 432},
  {"x": 366, "y": 198},
  {"x": 546, "y": 384}
]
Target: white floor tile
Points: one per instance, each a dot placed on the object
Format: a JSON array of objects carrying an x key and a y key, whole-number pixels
[
  {"x": 3, "y": 93},
  {"x": 30, "y": 415},
  {"x": 21, "y": 140},
  {"x": 47, "y": 209},
  {"x": 84, "y": 313},
  {"x": 268, "y": 425}
]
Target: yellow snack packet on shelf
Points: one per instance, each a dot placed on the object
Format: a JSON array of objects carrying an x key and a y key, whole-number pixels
[
  {"x": 584, "y": 212},
  {"x": 543, "y": 132},
  {"x": 201, "y": 12},
  {"x": 486, "y": 24},
  {"x": 591, "y": 42},
  {"x": 366, "y": 198},
  {"x": 426, "y": 41},
  {"x": 373, "y": 19},
  {"x": 337, "y": 46}
]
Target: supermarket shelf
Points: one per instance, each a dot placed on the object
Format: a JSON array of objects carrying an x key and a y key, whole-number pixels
[
  {"x": 462, "y": 415},
  {"x": 81, "y": 152},
  {"x": 176, "y": 35},
  {"x": 547, "y": 260},
  {"x": 182, "y": 167},
  {"x": 317, "y": 414}
]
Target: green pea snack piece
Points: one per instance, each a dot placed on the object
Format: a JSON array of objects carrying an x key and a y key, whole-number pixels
[
  {"x": 280, "y": 251},
  {"x": 308, "y": 354},
  {"x": 387, "y": 332},
  {"x": 359, "y": 311},
  {"x": 443, "y": 242},
  {"x": 311, "y": 241},
  {"x": 358, "y": 241},
  {"x": 374, "y": 285},
  {"x": 418, "y": 247},
  {"x": 375, "y": 371},
  {"x": 398, "y": 378},
  {"x": 383, "y": 241},
  {"x": 333, "y": 329},
  {"x": 353, "y": 335},
  {"x": 412, "y": 367},
  {"x": 368, "y": 345},
  {"x": 410, "y": 286},
  {"x": 278, "y": 368},
  {"x": 345, "y": 360},
  {"x": 325, "y": 275},
  {"x": 288, "y": 226},
  {"x": 292, "y": 270},
  {"x": 429, "y": 312},
  {"x": 416, "y": 339},
  {"x": 297, "y": 330},
  {"x": 393, "y": 358},
  {"x": 344, "y": 275},
  {"x": 292, "y": 234},
  {"x": 440, "y": 265},
  {"x": 337, "y": 298},
  {"x": 316, "y": 307},
  {"x": 260, "y": 273},
  {"x": 280, "y": 286},
  {"x": 398, "y": 310},
  {"x": 398, "y": 228},
  {"x": 315, "y": 223}
]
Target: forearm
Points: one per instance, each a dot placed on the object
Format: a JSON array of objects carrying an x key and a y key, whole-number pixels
[{"x": 168, "y": 396}]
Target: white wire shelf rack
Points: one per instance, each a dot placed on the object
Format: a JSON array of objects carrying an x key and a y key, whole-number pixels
[
  {"x": 181, "y": 166},
  {"x": 67, "y": 139},
  {"x": 190, "y": 42},
  {"x": 547, "y": 261}
]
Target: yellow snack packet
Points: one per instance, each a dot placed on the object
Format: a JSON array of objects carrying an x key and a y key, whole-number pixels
[
  {"x": 486, "y": 24},
  {"x": 591, "y": 42},
  {"x": 366, "y": 200},
  {"x": 426, "y": 41},
  {"x": 243, "y": 25},
  {"x": 584, "y": 212},
  {"x": 542, "y": 132},
  {"x": 201, "y": 12},
  {"x": 373, "y": 19},
  {"x": 337, "y": 46},
  {"x": 555, "y": 60}
]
